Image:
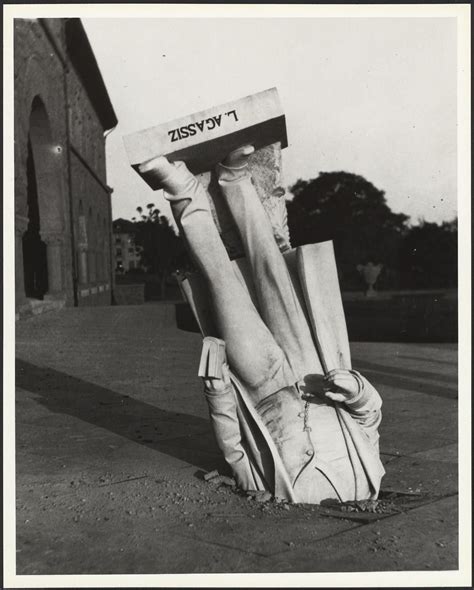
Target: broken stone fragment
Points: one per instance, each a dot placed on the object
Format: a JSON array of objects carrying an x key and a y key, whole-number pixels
[
  {"x": 222, "y": 480},
  {"x": 263, "y": 497},
  {"x": 211, "y": 475}
]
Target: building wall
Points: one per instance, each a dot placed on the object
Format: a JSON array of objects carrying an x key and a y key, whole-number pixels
[
  {"x": 57, "y": 124},
  {"x": 39, "y": 75},
  {"x": 91, "y": 197}
]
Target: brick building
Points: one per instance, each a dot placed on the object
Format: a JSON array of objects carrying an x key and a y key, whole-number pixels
[
  {"x": 127, "y": 255},
  {"x": 63, "y": 219}
]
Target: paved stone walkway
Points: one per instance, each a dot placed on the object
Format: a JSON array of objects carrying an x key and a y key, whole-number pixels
[{"x": 113, "y": 438}]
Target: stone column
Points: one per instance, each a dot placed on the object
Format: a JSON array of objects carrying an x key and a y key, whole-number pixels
[
  {"x": 54, "y": 244},
  {"x": 21, "y": 224}
]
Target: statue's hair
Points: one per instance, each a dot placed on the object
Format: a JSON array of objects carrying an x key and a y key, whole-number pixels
[{"x": 265, "y": 169}]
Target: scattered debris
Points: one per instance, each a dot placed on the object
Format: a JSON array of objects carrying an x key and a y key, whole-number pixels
[
  {"x": 259, "y": 495},
  {"x": 389, "y": 502},
  {"x": 211, "y": 474},
  {"x": 368, "y": 506},
  {"x": 223, "y": 480},
  {"x": 263, "y": 497}
]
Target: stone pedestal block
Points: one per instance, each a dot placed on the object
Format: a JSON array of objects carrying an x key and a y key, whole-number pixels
[{"x": 202, "y": 139}]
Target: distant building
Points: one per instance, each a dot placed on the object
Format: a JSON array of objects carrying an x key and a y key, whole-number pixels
[
  {"x": 63, "y": 219},
  {"x": 127, "y": 255}
]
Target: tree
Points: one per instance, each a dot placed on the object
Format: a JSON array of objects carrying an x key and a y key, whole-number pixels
[
  {"x": 351, "y": 211},
  {"x": 162, "y": 250},
  {"x": 428, "y": 255}
]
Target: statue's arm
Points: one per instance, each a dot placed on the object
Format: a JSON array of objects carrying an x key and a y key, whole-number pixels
[
  {"x": 366, "y": 408},
  {"x": 226, "y": 426},
  {"x": 360, "y": 398}
]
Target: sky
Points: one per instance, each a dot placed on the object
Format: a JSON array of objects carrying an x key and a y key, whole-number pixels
[{"x": 371, "y": 96}]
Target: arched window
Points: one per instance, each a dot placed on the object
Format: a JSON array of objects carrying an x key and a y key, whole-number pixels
[
  {"x": 99, "y": 249},
  {"x": 43, "y": 250},
  {"x": 42, "y": 242},
  {"x": 82, "y": 245},
  {"x": 35, "y": 266},
  {"x": 91, "y": 247}
]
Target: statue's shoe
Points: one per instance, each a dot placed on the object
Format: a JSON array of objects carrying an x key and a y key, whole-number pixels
[{"x": 175, "y": 177}]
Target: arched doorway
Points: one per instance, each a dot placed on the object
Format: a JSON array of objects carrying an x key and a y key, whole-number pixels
[
  {"x": 42, "y": 243},
  {"x": 35, "y": 265}
]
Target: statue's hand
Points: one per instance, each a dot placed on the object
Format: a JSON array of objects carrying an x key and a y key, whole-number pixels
[
  {"x": 341, "y": 385},
  {"x": 239, "y": 157}
]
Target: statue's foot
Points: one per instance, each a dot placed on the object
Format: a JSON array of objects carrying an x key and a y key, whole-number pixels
[{"x": 174, "y": 178}]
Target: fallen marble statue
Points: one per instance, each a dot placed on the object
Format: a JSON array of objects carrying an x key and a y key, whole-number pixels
[{"x": 290, "y": 415}]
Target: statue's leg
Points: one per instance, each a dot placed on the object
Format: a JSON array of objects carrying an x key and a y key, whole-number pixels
[
  {"x": 251, "y": 348},
  {"x": 279, "y": 305}
]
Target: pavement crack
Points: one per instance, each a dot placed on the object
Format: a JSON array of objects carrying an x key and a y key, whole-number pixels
[
  {"x": 316, "y": 541},
  {"x": 224, "y": 545},
  {"x": 103, "y": 485}
]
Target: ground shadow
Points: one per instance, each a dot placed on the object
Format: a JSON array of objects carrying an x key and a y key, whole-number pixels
[
  {"x": 408, "y": 379},
  {"x": 185, "y": 319},
  {"x": 186, "y": 437},
  {"x": 424, "y": 359}
]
